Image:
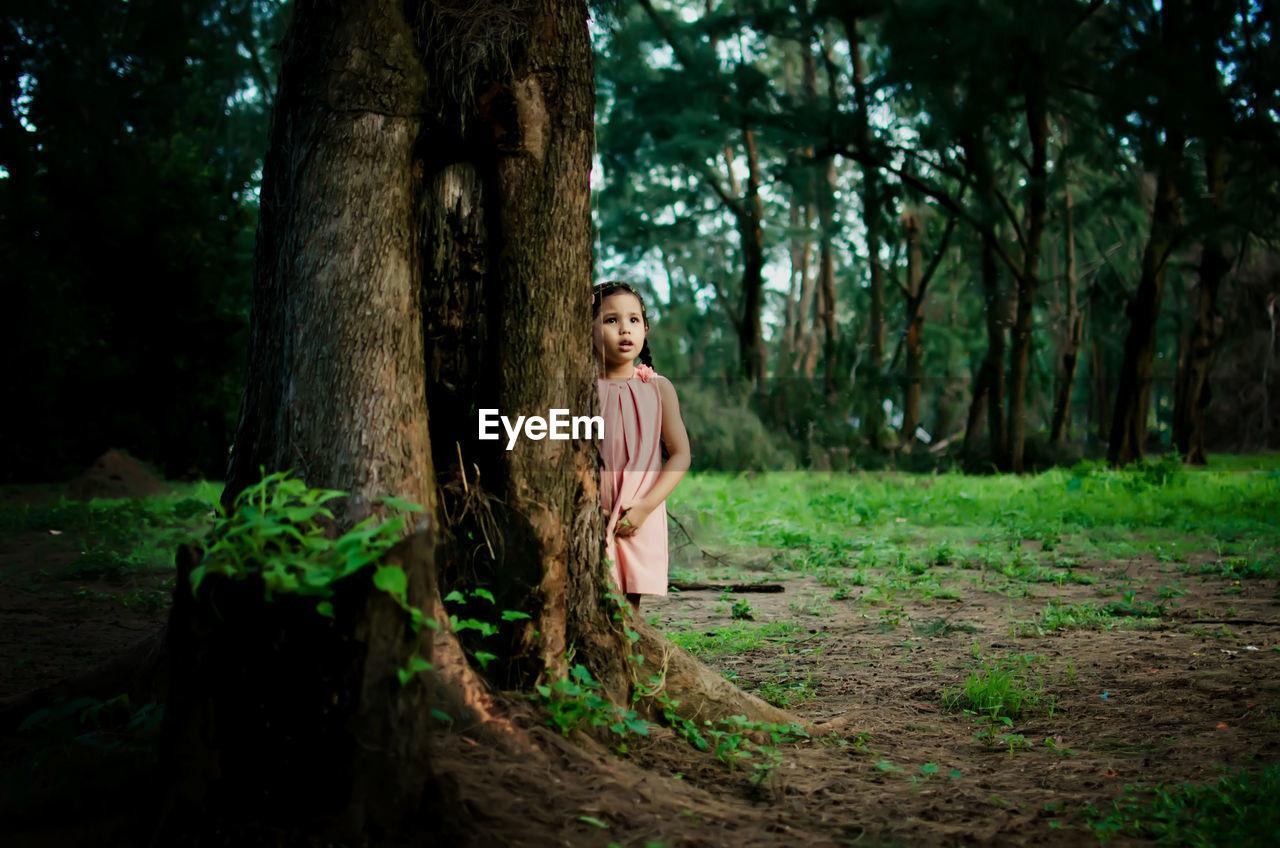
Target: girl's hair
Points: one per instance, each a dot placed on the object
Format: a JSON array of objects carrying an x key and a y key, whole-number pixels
[{"x": 603, "y": 290}]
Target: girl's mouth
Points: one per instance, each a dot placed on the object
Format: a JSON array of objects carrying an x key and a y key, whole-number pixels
[{"x": 625, "y": 345}]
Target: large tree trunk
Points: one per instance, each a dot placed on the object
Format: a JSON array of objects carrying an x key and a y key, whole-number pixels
[
  {"x": 873, "y": 423},
  {"x": 1038, "y": 130},
  {"x": 335, "y": 388},
  {"x": 335, "y": 392},
  {"x": 424, "y": 240},
  {"x": 1074, "y": 318},
  {"x": 1133, "y": 392}
]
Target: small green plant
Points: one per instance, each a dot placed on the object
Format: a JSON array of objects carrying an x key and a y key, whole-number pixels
[
  {"x": 1066, "y": 616},
  {"x": 1054, "y": 743},
  {"x": 730, "y": 739},
  {"x": 281, "y": 532},
  {"x": 575, "y": 701},
  {"x": 938, "y": 627},
  {"x": 742, "y": 611},
  {"x": 785, "y": 691},
  {"x": 998, "y": 688},
  {"x": 1240, "y": 809}
]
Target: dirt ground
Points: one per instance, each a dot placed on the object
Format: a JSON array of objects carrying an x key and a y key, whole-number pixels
[
  {"x": 1198, "y": 692},
  {"x": 1175, "y": 699}
]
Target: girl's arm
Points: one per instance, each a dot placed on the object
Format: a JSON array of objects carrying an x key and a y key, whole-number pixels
[{"x": 676, "y": 441}]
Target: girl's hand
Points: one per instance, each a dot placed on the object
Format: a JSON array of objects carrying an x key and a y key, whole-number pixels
[{"x": 631, "y": 519}]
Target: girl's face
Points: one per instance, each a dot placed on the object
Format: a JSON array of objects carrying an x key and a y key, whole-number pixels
[{"x": 619, "y": 330}]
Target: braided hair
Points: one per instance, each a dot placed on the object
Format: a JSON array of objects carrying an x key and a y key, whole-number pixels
[{"x": 603, "y": 290}]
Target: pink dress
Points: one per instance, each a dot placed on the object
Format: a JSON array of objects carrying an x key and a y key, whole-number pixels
[{"x": 632, "y": 454}]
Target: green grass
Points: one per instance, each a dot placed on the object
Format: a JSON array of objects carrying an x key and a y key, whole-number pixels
[
  {"x": 1240, "y": 809},
  {"x": 735, "y": 638},
  {"x": 114, "y": 540},
  {"x": 829, "y": 519},
  {"x": 1005, "y": 687}
]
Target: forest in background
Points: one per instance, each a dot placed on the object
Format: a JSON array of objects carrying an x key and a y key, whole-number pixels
[{"x": 1007, "y": 233}]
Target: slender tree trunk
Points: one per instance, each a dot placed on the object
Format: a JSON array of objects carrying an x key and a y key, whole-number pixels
[
  {"x": 915, "y": 332},
  {"x": 874, "y": 415},
  {"x": 751, "y": 235},
  {"x": 827, "y": 280},
  {"x": 1074, "y": 316},
  {"x": 977, "y": 416},
  {"x": 1038, "y": 129},
  {"x": 1193, "y": 393},
  {"x": 1101, "y": 390},
  {"x": 805, "y": 359},
  {"x": 798, "y": 253},
  {"x": 1133, "y": 392},
  {"x": 992, "y": 376}
]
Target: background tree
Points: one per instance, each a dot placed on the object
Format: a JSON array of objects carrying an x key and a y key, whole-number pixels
[{"x": 130, "y": 141}]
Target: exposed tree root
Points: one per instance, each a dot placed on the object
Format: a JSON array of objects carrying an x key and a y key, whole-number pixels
[{"x": 696, "y": 691}]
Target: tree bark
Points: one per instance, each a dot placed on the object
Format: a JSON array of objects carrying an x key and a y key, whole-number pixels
[
  {"x": 750, "y": 217},
  {"x": 992, "y": 378},
  {"x": 335, "y": 355},
  {"x": 1133, "y": 391},
  {"x": 335, "y": 392},
  {"x": 1037, "y": 116},
  {"x": 423, "y": 241},
  {"x": 827, "y": 281},
  {"x": 1074, "y": 317},
  {"x": 1193, "y": 392}
]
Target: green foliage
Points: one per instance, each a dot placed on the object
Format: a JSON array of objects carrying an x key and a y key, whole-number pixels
[
  {"x": 730, "y": 739},
  {"x": 1058, "y": 615},
  {"x": 135, "y": 137},
  {"x": 280, "y": 530},
  {"x": 998, "y": 689},
  {"x": 1240, "y": 809},
  {"x": 725, "y": 435},
  {"x": 735, "y": 638},
  {"x": 576, "y": 702},
  {"x": 1241, "y": 568},
  {"x": 787, "y": 691}
]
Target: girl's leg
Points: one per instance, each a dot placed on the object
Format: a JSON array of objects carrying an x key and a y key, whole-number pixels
[{"x": 635, "y": 601}]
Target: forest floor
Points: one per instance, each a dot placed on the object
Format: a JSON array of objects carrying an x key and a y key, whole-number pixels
[{"x": 1051, "y": 660}]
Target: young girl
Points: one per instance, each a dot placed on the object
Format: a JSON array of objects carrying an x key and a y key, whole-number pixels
[{"x": 641, "y": 416}]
